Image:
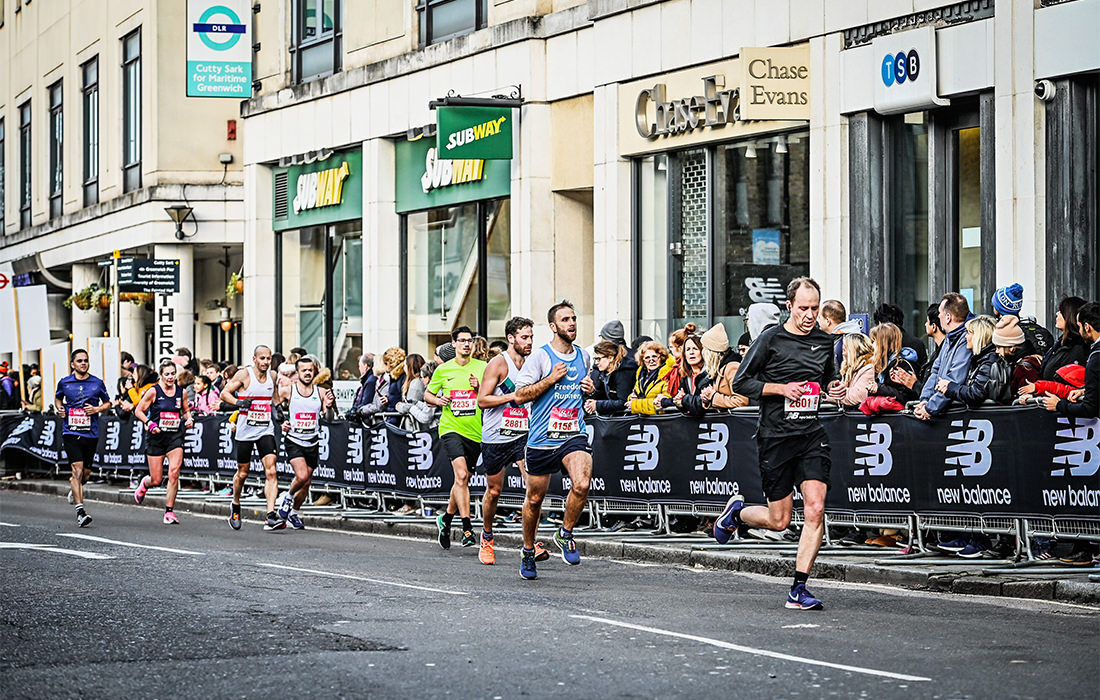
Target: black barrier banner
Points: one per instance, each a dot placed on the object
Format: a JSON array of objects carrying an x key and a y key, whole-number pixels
[{"x": 36, "y": 434}]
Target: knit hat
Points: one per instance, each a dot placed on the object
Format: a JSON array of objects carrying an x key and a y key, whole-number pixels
[
  {"x": 4, "y": 367},
  {"x": 761, "y": 316},
  {"x": 446, "y": 352},
  {"x": 745, "y": 339},
  {"x": 1008, "y": 333},
  {"x": 1007, "y": 301},
  {"x": 1074, "y": 375},
  {"x": 614, "y": 331},
  {"x": 716, "y": 339}
]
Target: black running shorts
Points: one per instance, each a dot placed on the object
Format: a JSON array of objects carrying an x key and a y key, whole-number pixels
[
  {"x": 786, "y": 461},
  {"x": 456, "y": 446},
  {"x": 265, "y": 445},
  {"x": 498, "y": 456},
  {"x": 541, "y": 462},
  {"x": 160, "y": 444},
  {"x": 296, "y": 451},
  {"x": 80, "y": 449}
]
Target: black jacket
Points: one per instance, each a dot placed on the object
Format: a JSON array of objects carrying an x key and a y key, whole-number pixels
[
  {"x": 613, "y": 389},
  {"x": 989, "y": 379},
  {"x": 908, "y": 341},
  {"x": 1088, "y": 406},
  {"x": 692, "y": 402},
  {"x": 1070, "y": 349},
  {"x": 888, "y": 387},
  {"x": 367, "y": 385}
]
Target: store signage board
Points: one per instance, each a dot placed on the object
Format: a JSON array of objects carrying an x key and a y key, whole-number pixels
[
  {"x": 424, "y": 181},
  {"x": 322, "y": 192},
  {"x": 775, "y": 83},
  {"x": 483, "y": 133},
  {"x": 150, "y": 275},
  {"x": 219, "y": 48},
  {"x": 905, "y": 72}
]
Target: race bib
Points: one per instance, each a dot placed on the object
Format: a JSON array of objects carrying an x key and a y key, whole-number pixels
[
  {"x": 805, "y": 407},
  {"x": 169, "y": 420},
  {"x": 514, "y": 423},
  {"x": 305, "y": 422},
  {"x": 259, "y": 414},
  {"x": 564, "y": 423},
  {"x": 463, "y": 403},
  {"x": 79, "y": 419}
]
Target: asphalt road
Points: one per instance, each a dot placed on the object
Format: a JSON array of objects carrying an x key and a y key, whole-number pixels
[{"x": 319, "y": 612}]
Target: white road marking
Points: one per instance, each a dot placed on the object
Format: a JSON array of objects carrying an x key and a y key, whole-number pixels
[
  {"x": 9, "y": 525},
  {"x": 800, "y": 627},
  {"x": 751, "y": 650},
  {"x": 128, "y": 544},
  {"x": 361, "y": 578},
  {"x": 53, "y": 548}
]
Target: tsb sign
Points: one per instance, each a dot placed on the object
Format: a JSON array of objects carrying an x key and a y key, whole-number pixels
[
  {"x": 904, "y": 77},
  {"x": 899, "y": 67}
]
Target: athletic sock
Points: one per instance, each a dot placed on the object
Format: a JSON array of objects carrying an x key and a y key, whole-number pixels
[
  {"x": 566, "y": 534},
  {"x": 167, "y": 509},
  {"x": 271, "y": 514},
  {"x": 528, "y": 551},
  {"x": 467, "y": 526},
  {"x": 79, "y": 507},
  {"x": 294, "y": 511},
  {"x": 447, "y": 518},
  {"x": 487, "y": 535},
  {"x": 799, "y": 577}
]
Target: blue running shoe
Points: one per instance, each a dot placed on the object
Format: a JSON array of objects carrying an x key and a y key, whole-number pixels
[
  {"x": 527, "y": 567},
  {"x": 800, "y": 599},
  {"x": 285, "y": 504},
  {"x": 730, "y": 519},
  {"x": 568, "y": 546},
  {"x": 956, "y": 545},
  {"x": 295, "y": 522}
]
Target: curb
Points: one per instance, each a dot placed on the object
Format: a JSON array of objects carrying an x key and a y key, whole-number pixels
[{"x": 1080, "y": 592}]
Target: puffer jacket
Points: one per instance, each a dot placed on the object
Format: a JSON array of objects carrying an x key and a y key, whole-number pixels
[
  {"x": 988, "y": 379},
  {"x": 691, "y": 402},
  {"x": 1070, "y": 350},
  {"x": 648, "y": 386}
]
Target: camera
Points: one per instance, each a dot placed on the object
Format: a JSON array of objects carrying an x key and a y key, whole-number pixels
[{"x": 1045, "y": 90}]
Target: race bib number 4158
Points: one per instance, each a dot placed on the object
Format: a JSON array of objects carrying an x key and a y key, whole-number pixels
[{"x": 564, "y": 423}]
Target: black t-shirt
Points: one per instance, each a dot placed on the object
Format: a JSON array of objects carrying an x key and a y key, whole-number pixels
[{"x": 778, "y": 356}]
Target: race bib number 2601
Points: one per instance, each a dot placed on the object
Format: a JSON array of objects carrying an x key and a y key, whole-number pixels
[{"x": 805, "y": 407}]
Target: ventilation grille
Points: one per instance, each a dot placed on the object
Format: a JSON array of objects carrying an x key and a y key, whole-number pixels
[{"x": 282, "y": 204}]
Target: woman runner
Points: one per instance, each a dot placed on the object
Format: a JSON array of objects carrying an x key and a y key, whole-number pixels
[{"x": 165, "y": 411}]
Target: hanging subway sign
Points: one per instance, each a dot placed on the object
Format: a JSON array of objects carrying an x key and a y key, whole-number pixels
[{"x": 483, "y": 133}]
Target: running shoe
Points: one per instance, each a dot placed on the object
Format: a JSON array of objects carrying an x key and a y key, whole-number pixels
[
  {"x": 141, "y": 490},
  {"x": 274, "y": 522},
  {"x": 527, "y": 567},
  {"x": 170, "y": 518},
  {"x": 728, "y": 522},
  {"x": 568, "y": 546},
  {"x": 798, "y": 598},
  {"x": 83, "y": 519},
  {"x": 1078, "y": 558},
  {"x": 444, "y": 532},
  {"x": 285, "y": 504},
  {"x": 235, "y": 517},
  {"x": 468, "y": 539},
  {"x": 956, "y": 545},
  {"x": 295, "y": 522},
  {"x": 972, "y": 550},
  {"x": 541, "y": 552},
  {"x": 486, "y": 555}
]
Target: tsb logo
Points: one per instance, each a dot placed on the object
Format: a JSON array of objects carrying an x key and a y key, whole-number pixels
[{"x": 899, "y": 67}]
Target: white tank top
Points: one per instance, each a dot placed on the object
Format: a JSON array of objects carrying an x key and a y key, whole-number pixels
[
  {"x": 505, "y": 423},
  {"x": 256, "y": 421},
  {"x": 304, "y": 416}
]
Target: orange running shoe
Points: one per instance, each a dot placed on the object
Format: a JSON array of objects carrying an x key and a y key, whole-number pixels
[
  {"x": 541, "y": 552},
  {"x": 486, "y": 555}
]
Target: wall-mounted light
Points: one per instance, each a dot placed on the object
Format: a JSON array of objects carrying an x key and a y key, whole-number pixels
[
  {"x": 227, "y": 322},
  {"x": 781, "y": 144},
  {"x": 750, "y": 152},
  {"x": 179, "y": 213}
]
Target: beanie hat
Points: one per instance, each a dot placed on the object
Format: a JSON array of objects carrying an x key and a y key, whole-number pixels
[
  {"x": 446, "y": 352},
  {"x": 716, "y": 339},
  {"x": 745, "y": 339},
  {"x": 1008, "y": 333},
  {"x": 1007, "y": 301},
  {"x": 1074, "y": 375},
  {"x": 614, "y": 331},
  {"x": 762, "y": 315}
]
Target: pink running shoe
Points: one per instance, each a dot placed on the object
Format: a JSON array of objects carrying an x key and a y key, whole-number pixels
[
  {"x": 171, "y": 519},
  {"x": 143, "y": 487}
]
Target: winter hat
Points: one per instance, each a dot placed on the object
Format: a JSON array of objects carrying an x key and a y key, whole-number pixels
[
  {"x": 1074, "y": 375},
  {"x": 716, "y": 339},
  {"x": 745, "y": 339},
  {"x": 762, "y": 315},
  {"x": 446, "y": 352},
  {"x": 4, "y": 367},
  {"x": 1007, "y": 301},
  {"x": 1008, "y": 332},
  {"x": 614, "y": 331}
]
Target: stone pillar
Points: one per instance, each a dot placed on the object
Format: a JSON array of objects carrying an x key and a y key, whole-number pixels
[
  {"x": 174, "y": 315},
  {"x": 259, "y": 261},
  {"x": 131, "y": 330},
  {"x": 86, "y": 324},
  {"x": 382, "y": 257}
]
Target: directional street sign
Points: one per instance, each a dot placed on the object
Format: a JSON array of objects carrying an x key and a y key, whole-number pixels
[{"x": 149, "y": 275}]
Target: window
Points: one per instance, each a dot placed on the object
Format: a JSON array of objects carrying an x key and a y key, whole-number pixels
[
  {"x": 57, "y": 136},
  {"x": 90, "y": 148},
  {"x": 317, "y": 38},
  {"x": 909, "y": 285},
  {"x": 441, "y": 20},
  {"x": 3, "y": 174},
  {"x": 131, "y": 111},
  {"x": 25, "y": 165}
]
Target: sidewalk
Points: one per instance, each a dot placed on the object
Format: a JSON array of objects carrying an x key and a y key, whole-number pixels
[{"x": 841, "y": 564}]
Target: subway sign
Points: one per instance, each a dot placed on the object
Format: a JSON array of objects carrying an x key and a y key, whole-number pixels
[
  {"x": 480, "y": 133},
  {"x": 322, "y": 192}
]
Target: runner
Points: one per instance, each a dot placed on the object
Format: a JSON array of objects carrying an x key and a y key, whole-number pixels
[
  {"x": 555, "y": 378},
  {"x": 79, "y": 397},
  {"x": 786, "y": 369},
  {"x": 504, "y": 427},
  {"x": 252, "y": 389},
  {"x": 454, "y": 387},
  {"x": 302, "y": 431},
  {"x": 160, "y": 409}
]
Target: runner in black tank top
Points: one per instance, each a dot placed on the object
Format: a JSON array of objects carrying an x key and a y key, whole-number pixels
[{"x": 166, "y": 414}]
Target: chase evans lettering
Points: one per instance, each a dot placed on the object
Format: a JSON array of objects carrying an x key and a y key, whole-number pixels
[{"x": 716, "y": 107}]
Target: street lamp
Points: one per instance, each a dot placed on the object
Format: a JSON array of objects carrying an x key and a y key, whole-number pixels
[{"x": 179, "y": 213}]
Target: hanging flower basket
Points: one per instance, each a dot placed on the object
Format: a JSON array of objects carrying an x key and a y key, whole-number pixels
[
  {"x": 136, "y": 298},
  {"x": 100, "y": 298},
  {"x": 235, "y": 286},
  {"x": 81, "y": 298}
]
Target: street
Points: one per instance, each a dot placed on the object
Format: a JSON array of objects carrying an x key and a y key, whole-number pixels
[{"x": 132, "y": 608}]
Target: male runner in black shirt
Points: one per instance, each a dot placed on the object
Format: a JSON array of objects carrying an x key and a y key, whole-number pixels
[{"x": 787, "y": 370}]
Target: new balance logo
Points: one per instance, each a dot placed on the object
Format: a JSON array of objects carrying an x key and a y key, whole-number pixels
[
  {"x": 875, "y": 439},
  {"x": 380, "y": 448},
  {"x": 137, "y": 436},
  {"x": 49, "y": 429},
  {"x": 420, "y": 451},
  {"x": 225, "y": 438},
  {"x": 355, "y": 445},
  {"x": 25, "y": 426},
  {"x": 641, "y": 448},
  {"x": 192, "y": 439},
  {"x": 973, "y": 449},
  {"x": 322, "y": 444},
  {"x": 712, "y": 453},
  {"x": 111, "y": 441},
  {"x": 1081, "y": 445},
  {"x": 765, "y": 289}
]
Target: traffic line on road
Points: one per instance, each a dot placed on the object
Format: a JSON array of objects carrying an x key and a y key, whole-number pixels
[
  {"x": 53, "y": 548},
  {"x": 362, "y": 578},
  {"x": 128, "y": 544},
  {"x": 9, "y": 525},
  {"x": 751, "y": 650}
]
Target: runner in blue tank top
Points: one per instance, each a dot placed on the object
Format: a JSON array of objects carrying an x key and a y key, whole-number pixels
[{"x": 554, "y": 379}]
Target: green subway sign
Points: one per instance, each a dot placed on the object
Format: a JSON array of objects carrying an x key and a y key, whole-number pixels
[
  {"x": 424, "y": 181},
  {"x": 321, "y": 192},
  {"x": 474, "y": 132}
]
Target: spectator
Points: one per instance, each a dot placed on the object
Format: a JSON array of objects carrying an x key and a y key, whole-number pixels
[
  {"x": 1008, "y": 301},
  {"x": 1085, "y": 402},
  {"x": 34, "y": 393},
  {"x": 987, "y": 377},
  {"x": 892, "y": 313},
  {"x": 210, "y": 370},
  {"x": 394, "y": 361},
  {"x": 343, "y": 374},
  {"x": 186, "y": 381},
  {"x": 743, "y": 345},
  {"x": 833, "y": 320},
  {"x": 126, "y": 369},
  {"x": 857, "y": 371},
  {"x": 721, "y": 364},
  {"x": 890, "y": 355},
  {"x": 144, "y": 379},
  {"x": 277, "y": 360},
  {"x": 933, "y": 330},
  {"x": 689, "y": 397},
  {"x": 422, "y": 415},
  {"x": 613, "y": 374},
  {"x": 368, "y": 382},
  {"x": 1071, "y": 347},
  {"x": 324, "y": 375},
  {"x": 481, "y": 349},
  {"x": 186, "y": 360},
  {"x": 676, "y": 349},
  {"x": 496, "y": 347},
  {"x": 651, "y": 383},
  {"x": 1011, "y": 344},
  {"x": 207, "y": 396},
  {"x": 288, "y": 374},
  {"x": 761, "y": 316},
  {"x": 613, "y": 332},
  {"x": 953, "y": 360},
  {"x": 445, "y": 352},
  {"x": 295, "y": 354},
  {"x": 412, "y": 391},
  {"x": 1071, "y": 378},
  {"x": 9, "y": 389}
]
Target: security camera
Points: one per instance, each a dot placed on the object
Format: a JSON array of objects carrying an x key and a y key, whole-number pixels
[
  {"x": 1045, "y": 90},
  {"x": 227, "y": 158}
]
